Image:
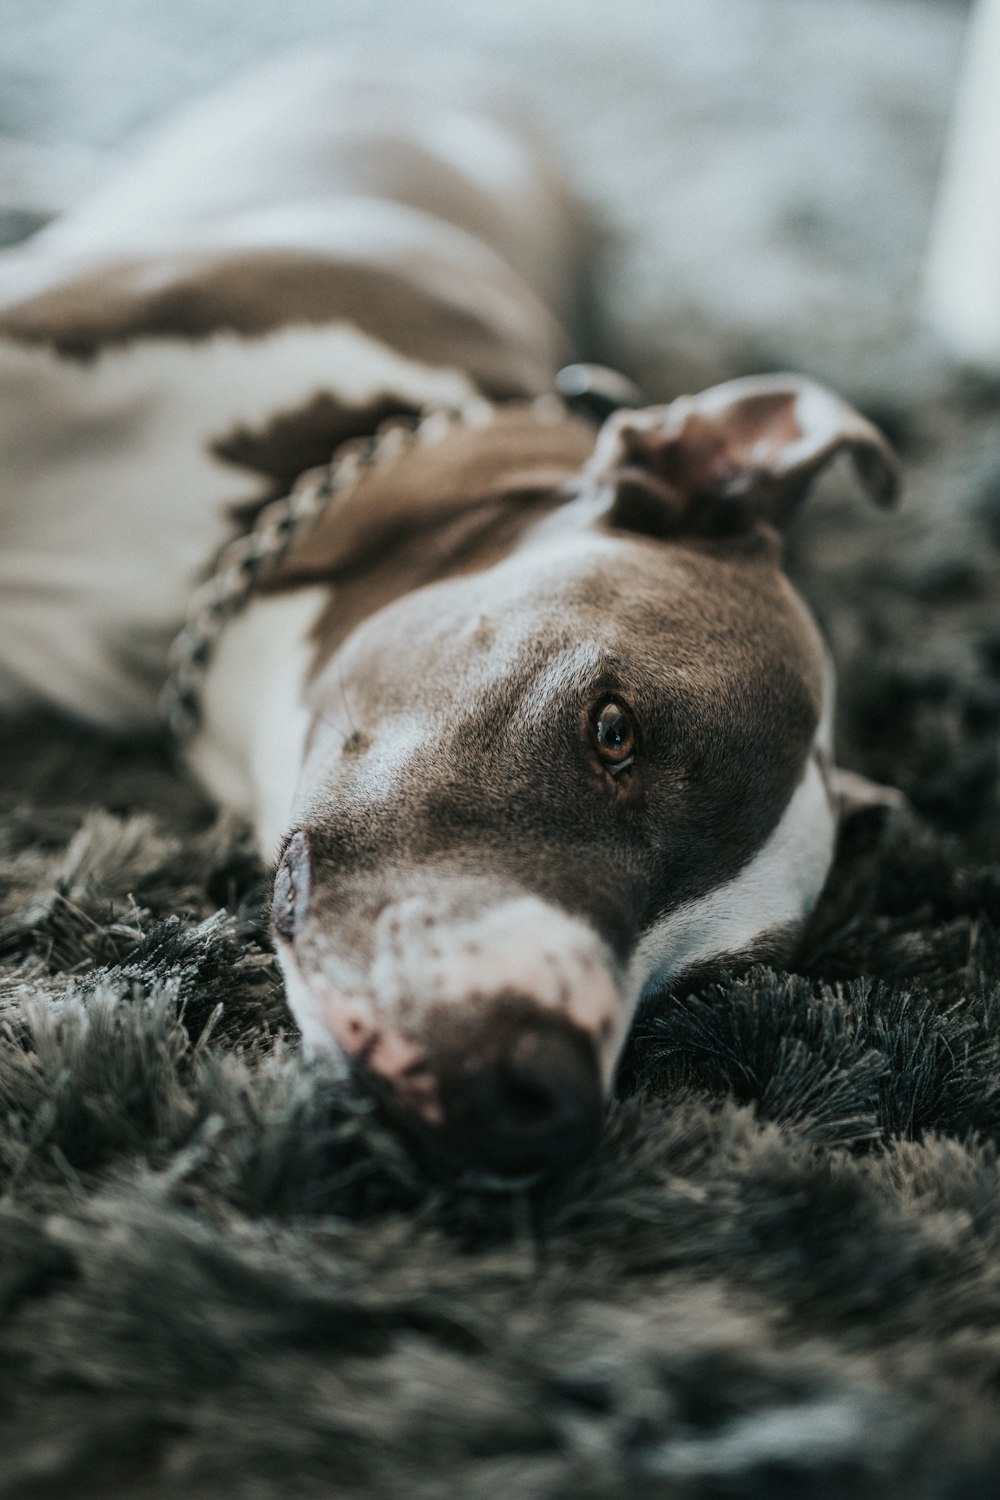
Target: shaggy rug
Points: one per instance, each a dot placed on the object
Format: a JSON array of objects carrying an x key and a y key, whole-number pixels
[{"x": 780, "y": 1275}]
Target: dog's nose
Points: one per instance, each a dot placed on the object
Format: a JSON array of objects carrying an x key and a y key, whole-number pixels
[{"x": 531, "y": 1104}]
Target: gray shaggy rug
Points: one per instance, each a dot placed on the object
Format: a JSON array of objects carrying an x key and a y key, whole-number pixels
[{"x": 780, "y": 1275}]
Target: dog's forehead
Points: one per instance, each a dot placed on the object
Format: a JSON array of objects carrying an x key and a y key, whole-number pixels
[{"x": 581, "y": 608}]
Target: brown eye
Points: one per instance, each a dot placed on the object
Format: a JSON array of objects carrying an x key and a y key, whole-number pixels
[{"x": 614, "y": 736}]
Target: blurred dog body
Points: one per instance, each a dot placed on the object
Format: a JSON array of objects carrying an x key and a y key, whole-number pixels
[{"x": 301, "y": 247}]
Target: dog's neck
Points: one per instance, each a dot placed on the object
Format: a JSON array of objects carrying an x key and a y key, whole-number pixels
[{"x": 249, "y": 748}]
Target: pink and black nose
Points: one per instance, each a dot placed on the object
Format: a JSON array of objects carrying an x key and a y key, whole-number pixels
[{"x": 526, "y": 1101}]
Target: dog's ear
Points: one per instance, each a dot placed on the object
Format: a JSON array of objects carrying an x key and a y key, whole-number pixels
[{"x": 739, "y": 453}]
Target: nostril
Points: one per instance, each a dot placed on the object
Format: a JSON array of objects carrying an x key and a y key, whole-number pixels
[
  {"x": 538, "y": 1079},
  {"x": 534, "y": 1104}
]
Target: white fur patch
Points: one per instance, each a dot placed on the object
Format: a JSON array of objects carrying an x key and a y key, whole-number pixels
[
  {"x": 113, "y": 503},
  {"x": 824, "y": 730},
  {"x": 778, "y": 887},
  {"x": 479, "y": 148},
  {"x": 48, "y": 179},
  {"x": 523, "y": 947},
  {"x": 249, "y": 750},
  {"x": 387, "y": 762}
]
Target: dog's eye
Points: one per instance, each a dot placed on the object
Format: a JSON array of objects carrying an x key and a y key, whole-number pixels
[
  {"x": 290, "y": 899},
  {"x": 614, "y": 736}
]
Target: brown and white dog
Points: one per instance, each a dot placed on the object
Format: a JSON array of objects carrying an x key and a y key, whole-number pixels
[{"x": 532, "y": 721}]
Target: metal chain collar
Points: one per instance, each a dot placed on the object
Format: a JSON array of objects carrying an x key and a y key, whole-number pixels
[{"x": 247, "y": 561}]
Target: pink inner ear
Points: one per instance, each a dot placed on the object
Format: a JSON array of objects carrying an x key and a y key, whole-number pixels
[
  {"x": 748, "y": 444},
  {"x": 762, "y": 423},
  {"x": 742, "y": 451},
  {"x": 698, "y": 457}
]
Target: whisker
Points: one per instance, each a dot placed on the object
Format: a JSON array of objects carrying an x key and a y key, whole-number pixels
[{"x": 347, "y": 706}]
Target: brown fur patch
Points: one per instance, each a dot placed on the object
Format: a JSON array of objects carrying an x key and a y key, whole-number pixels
[
  {"x": 447, "y": 507},
  {"x": 255, "y": 292},
  {"x": 301, "y": 438},
  {"x": 436, "y": 483}
]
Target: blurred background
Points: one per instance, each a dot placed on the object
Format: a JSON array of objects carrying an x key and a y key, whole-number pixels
[{"x": 765, "y": 169}]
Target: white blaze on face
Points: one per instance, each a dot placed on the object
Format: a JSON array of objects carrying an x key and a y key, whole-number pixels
[
  {"x": 776, "y": 889},
  {"x": 382, "y": 771}
]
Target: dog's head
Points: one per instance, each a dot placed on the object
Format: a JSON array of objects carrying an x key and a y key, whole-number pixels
[{"x": 570, "y": 739}]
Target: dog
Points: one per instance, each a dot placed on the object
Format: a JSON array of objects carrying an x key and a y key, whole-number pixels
[{"x": 528, "y": 720}]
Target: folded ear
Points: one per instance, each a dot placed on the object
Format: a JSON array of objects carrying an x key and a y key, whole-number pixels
[{"x": 738, "y": 453}]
